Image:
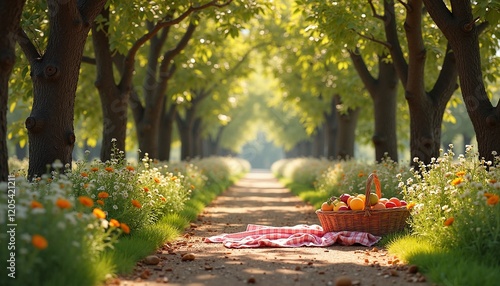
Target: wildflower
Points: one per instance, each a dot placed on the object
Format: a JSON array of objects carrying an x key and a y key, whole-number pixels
[
  {"x": 99, "y": 213},
  {"x": 86, "y": 201},
  {"x": 100, "y": 202},
  {"x": 457, "y": 181},
  {"x": 125, "y": 228},
  {"x": 136, "y": 204},
  {"x": 36, "y": 205},
  {"x": 114, "y": 223},
  {"x": 192, "y": 187},
  {"x": 94, "y": 169},
  {"x": 102, "y": 195},
  {"x": 84, "y": 174},
  {"x": 492, "y": 181},
  {"x": 39, "y": 242},
  {"x": 410, "y": 205},
  {"x": 460, "y": 173},
  {"x": 157, "y": 180},
  {"x": 115, "y": 207},
  {"x": 492, "y": 200},
  {"x": 130, "y": 168},
  {"x": 174, "y": 178},
  {"x": 449, "y": 221},
  {"x": 163, "y": 199},
  {"x": 63, "y": 204},
  {"x": 361, "y": 174},
  {"x": 146, "y": 189},
  {"x": 109, "y": 169},
  {"x": 85, "y": 185}
]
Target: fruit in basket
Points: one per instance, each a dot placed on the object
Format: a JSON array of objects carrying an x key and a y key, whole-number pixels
[
  {"x": 338, "y": 205},
  {"x": 390, "y": 205},
  {"x": 373, "y": 199},
  {"x": 344, "y": 208},
  {"x": 396, "y": 201},
  {"x": 378, "y": 206},
  {"x": 357, "y": 204},
  {"x": 344, "y": 198},
  {"x": 326, "y": 206}
]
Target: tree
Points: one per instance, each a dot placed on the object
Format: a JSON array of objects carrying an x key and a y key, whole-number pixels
[
  {"x": 459, "y": 25},
  {"x": 10, "y": 15},
  {"x": 54, "y": 72}
]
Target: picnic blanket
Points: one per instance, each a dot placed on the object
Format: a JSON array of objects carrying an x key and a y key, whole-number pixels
[{"x": 291, "y": 236}]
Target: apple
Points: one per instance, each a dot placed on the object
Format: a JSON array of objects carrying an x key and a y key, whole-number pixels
[
  {"x": 378, "y": 206},
  {"x": 326, "y": 206},
  {"x": 390, "y": 204},
  {"x": 344, "y": 198},
  {"x": 403, "y": 203},
  {"x": 344, "y": 208},
  {"x": 373, "y": 199},
  {"x": 337, "y": 206},
  {"x": 396, "y": 201}
]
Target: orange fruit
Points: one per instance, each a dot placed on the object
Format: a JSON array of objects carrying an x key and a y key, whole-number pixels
[
  {"x": 357, "y": 204},
  {"x": 362, "y": 196},
  {"x": 378, "y": 206},
  {"x": 326, "y": 207},
  {"x": 349, "y": 200}
]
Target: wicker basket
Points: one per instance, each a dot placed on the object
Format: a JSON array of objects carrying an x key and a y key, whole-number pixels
[{"x": 376, "y": 222}]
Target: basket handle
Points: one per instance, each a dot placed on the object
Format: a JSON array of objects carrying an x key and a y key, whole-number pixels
[{"x": 372, "y": 178}]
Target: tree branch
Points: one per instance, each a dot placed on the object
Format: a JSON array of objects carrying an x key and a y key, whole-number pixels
[
  {"x": 27, "y": 46},
  {"x": 447, "y": 79},
  {"x": 363, "y": 72},
  {"x": 372, "y": 38},
  {"x": 88, "y": 60},
  {"x": 440, "y": 13},
  {"x": 374, "y": 11}
]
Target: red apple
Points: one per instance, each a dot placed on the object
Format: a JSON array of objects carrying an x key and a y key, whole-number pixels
[
  {"x": 403, "y": 203},
  {"x": 344, "y": 208},
  {"x": 344, "y": 197},
  {"x": 390, "y": 204}
]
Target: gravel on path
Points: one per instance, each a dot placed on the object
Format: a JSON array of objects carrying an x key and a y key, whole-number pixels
[{"x": 259, "y": 198}]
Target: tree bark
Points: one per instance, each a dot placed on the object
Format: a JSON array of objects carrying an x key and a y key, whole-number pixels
[
  {"x": 114, "y": 98},
  {"x": 331, "y": 130},
  {"x": 346, "y": 136},
  {"x": 10, "y": 15},
  {"x": 55, "y": 77},
  {"x": 383, "y": 91},
  {"x": 459, "y": 27},
  {"x": 166, "y": 132},
  {"x": 426, "y": 108}
]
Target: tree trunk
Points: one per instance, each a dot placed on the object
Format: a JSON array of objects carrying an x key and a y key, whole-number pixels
[
  {"x": 10, "y": 14},
  {"x": 114, "y": 100},
  {"x": 55, "y": 78},
  {"x": 166, "y": 133},
  {"x": 197, "y": 142},
  {"x": 383, "y": 92},
  {"x": 426, "y": 108},
  {"x": 319, "y": 143},
  {"x": 331, "y": 129},
  {"x": 346, "y": 136},
  {"x": 459, "y": 27}
]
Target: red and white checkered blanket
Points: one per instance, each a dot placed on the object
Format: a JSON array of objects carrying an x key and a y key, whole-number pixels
[{"x": 291, "y": 236}]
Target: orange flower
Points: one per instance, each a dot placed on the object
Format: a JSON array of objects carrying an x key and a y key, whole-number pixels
[
  {"x": 125, "y": 228},
  {"x": 492, "y": 181},
  {"x": 109, "y": 169},
  {"x": 460, "y": 173},
  {"x": 36, "y": 205},
  {"x": 63, "y": 204},
  {"x": 49, "y": 180},
  {"x": 157, "y": 180},
  {"x": 94, "y": 169},
  {"x": 84, "y": 174},
  {"x": 114, "y": 223},
  {"x": 457, "y": 181},
  {"x": 163, "y": 199},
  {"x": 130, "y": 168},
  {"x": 192, "y": 187},
  {"x": 102, "y": 195},
  {"x": 99, "y": 213},
  {"x": 100, "y": 202},
  {"x": 449, "y": 221},
  {"x": 85, "y": 185},
  {"x": 492, "y": 200},
  {"x": 146, "y": 189},
  {"x": 86, "y": 201},
  {"x": 174, "y": 178},
  {"x": 39, "y": 242},
  {"x": 136, "y": 204},
  {"x": 361, "y": 174}
]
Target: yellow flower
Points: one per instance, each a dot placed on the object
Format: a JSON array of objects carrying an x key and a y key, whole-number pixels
[
  {"x": 36, "y": 205},
  {"x": 99, "y": 213},
  {"x": 63, "y": 204},
  {"x": 157, "y": 180},
  {"x": 174, "y": 178},
  {"x": 86, "y": 201},
  {"x": 136, "y": 204},
  {"x": 114, "y": 223},
  {"x": 457, "y": 181},
  {"x": 460, "y": 173},
  {"x": 103, "y": 195},
  {"x": 449, "y": 221},
  {"x": 39, "y": 242},
  {"x": 125, "y": 228},
  {"x": 410, "y": 205},
  {"x": 109, "y": 169}
]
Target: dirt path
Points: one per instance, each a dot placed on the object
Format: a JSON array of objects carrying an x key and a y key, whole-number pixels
[{"x": 260, "y": 199}]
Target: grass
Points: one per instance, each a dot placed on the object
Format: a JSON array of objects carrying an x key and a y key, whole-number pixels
[
  {"x": 440, "y": 266},
  {"x": 125, "y": 254}
]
